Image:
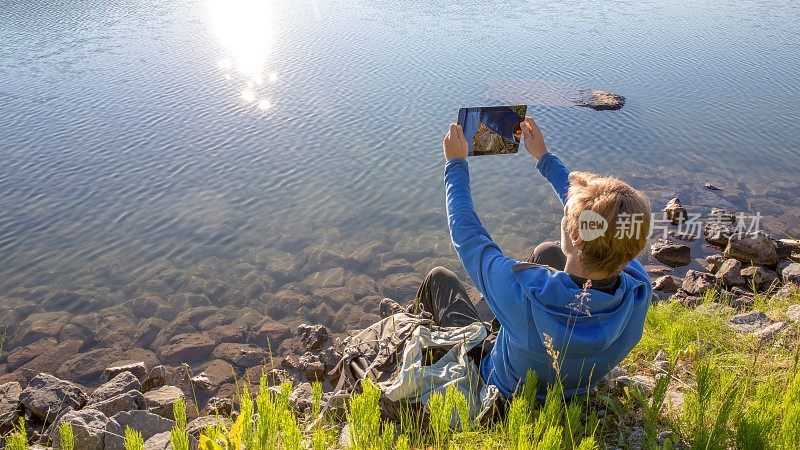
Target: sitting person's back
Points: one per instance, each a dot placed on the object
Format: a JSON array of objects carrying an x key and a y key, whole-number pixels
[{"x": 574, "y": 312}]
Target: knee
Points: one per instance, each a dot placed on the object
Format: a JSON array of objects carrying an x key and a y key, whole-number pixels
[
  {"x": 546, "y": 247},
  {"x": 549, "y": 253},
  {"x": 440, "y": 273}
]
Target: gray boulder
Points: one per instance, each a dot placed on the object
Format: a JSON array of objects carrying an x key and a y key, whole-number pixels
[
  {"x": 760, "y": 277},
  {"x": 697, "y": 283},
  {"x": 791, "y": 273},
  {"x": 9, "y": 405},
  {"x": 714, "y": 262},
  {"x": 46, "y": 396},
  {"x": 313, "y": 337},
  {"x": 729, "y": 273},
  {"x": 128, "y": 401},
  {"x": 749, "y": 321},
  {"x": 717, "y": 234},
  {"x": 120, "y": 384},
  {"x": 160, "y": 441},
  {"x": 139, "y": 370},
  {"x": 755, "y": 248},
  {"x": 161, "y": 400},
  {"x": 675, "y": 212},
  {"x": 156, "y": 378},
  {"x": 769, "y": 332},
  {"x": 672, "y": 254},
  {"x": 88, "y": 428},
  {"x": 147, "y": 423},
  {"x": 793, "y": 311}
]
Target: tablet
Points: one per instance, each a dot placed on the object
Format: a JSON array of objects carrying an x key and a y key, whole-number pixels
[{"x": 492, "y": 130}]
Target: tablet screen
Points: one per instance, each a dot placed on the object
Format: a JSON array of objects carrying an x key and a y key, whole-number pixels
[{"x": 492, "y": 130}]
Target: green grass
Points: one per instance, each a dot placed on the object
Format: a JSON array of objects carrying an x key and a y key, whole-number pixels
[
  {"x": 66, "y": 436},
  {"x": 133, "y": 439}
]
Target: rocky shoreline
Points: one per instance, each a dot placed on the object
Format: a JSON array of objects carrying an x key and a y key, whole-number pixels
[
  {"x": 142, "y": 397},
  {"x": 204, "y": 351}
]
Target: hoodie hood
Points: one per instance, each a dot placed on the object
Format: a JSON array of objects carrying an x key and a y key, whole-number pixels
[{"x": 580, "y": 324}]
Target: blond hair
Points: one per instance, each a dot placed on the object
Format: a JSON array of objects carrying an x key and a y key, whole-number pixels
[{"x": 617, "y": 202}]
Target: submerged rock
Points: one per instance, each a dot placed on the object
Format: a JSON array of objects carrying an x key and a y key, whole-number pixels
[
  {"x": 599, "y": 100},
  {"x": 190, "y": 347},
  {"x": 241, "y": 355},
  {"x": 401, "y": 286}
]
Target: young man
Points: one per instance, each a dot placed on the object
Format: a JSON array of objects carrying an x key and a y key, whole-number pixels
[{"x": 583, "y": 303}]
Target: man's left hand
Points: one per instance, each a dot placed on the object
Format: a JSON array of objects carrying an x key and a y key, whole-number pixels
[{"x": 455, "y": 144}]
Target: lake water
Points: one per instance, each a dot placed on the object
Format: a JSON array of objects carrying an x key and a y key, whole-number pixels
[{"x": 242, "y": 151}]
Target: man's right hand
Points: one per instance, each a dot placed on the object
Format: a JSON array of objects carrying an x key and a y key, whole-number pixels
[{"x": 534, "y": 141}]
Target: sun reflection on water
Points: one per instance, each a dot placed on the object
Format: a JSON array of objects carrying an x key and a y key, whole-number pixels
[{"x": 246, "y": 29}]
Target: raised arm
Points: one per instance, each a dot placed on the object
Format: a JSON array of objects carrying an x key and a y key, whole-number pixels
[
  {"x": 487, "y": 267},
  {"x": 548, "y": 164}
]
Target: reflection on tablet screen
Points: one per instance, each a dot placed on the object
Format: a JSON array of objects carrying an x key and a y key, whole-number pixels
[{"x": 492, "y": 130}]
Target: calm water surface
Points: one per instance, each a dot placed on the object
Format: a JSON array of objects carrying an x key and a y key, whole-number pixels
[{"x": 147, "y": 145}]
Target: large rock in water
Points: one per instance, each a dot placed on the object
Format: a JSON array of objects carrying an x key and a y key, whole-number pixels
[
  {"x": 46, "y": 396},
  {"x": 672, "y": 254},
  {"x": 241, "y": 355},
  {"x": 88, "y": 429},
  {"x": 599, "y": 100},
  {"x": 755, "y": 248},
  {"x": 9, "y": 406}
]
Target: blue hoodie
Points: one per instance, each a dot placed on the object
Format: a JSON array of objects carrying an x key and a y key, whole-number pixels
[{"x": 534, "y": 301}]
